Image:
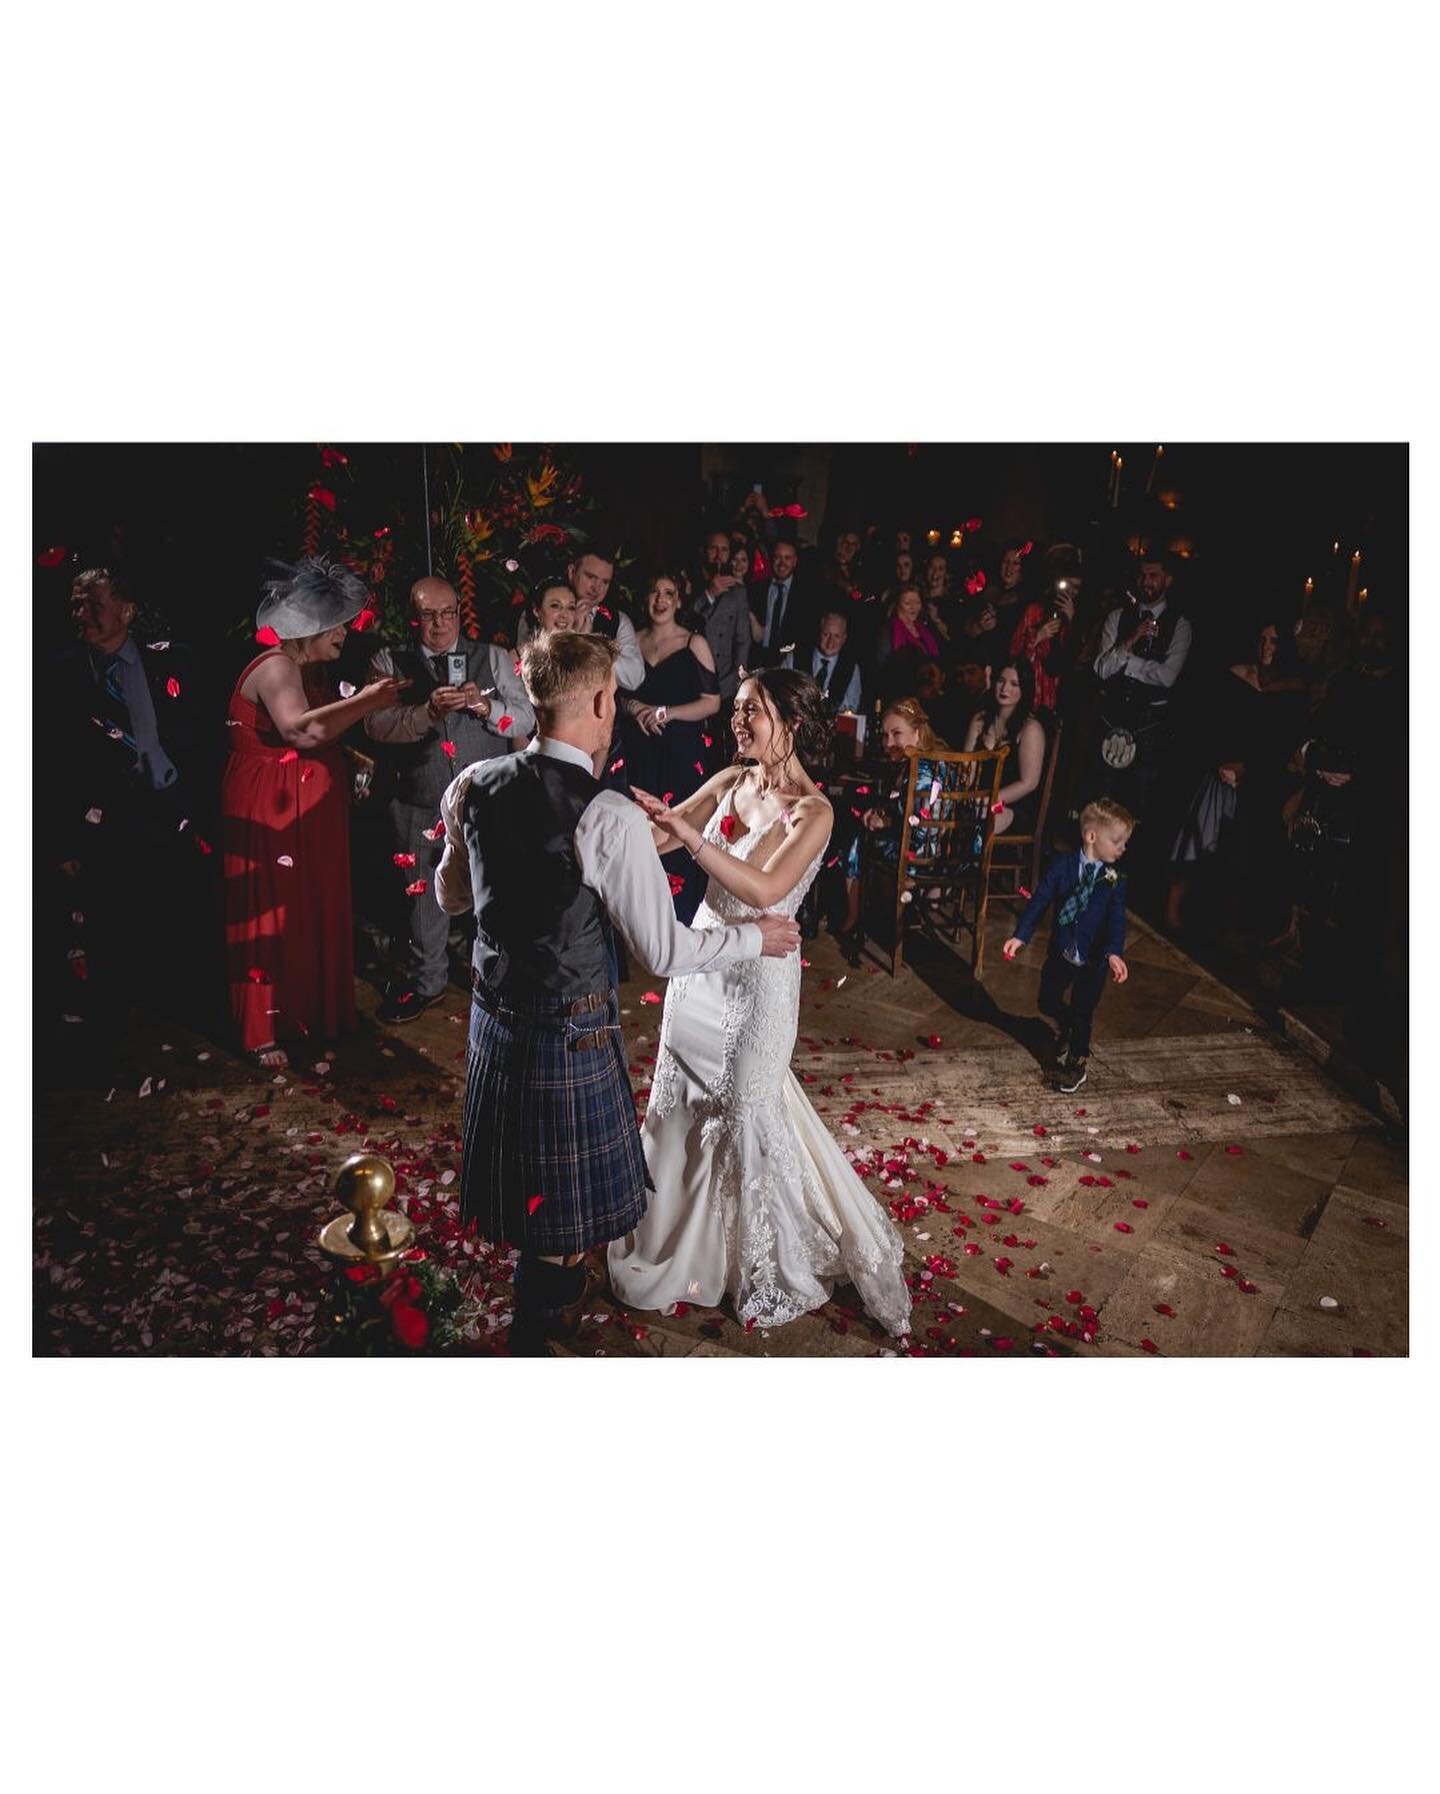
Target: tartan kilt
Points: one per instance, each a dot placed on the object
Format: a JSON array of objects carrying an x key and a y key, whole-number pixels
[{"x": 545, "y": 1119}]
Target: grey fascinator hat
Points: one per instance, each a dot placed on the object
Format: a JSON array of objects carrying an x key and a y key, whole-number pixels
[{"x": 312, "y": 596}]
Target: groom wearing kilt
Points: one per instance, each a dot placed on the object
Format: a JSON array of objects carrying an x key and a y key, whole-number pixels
[{"x": 548, "y": 861}]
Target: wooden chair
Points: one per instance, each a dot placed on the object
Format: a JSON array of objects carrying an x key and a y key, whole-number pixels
[
  {"x": 946, "y": 836},
  {"x": 1022, "y": 854}
]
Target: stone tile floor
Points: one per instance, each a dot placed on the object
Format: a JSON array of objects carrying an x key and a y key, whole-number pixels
[{"x": 1157, "y": 1216}]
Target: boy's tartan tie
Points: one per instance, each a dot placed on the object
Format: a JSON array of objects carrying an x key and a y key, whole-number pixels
[{"x": 1075, "y": 903}]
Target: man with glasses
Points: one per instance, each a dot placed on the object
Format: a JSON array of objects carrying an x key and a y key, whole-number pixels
[{"x": 468, "y": 704}]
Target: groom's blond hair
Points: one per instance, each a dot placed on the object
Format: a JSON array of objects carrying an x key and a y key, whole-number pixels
[{"x": 560, "y": 667}]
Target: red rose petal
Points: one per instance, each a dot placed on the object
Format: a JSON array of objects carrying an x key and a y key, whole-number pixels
[
  {"x": 267, "y": 637},
  {"x": 1148, "y": 1345},
  {"x": 533, "y": 1204},
  {"x": 448, "y": 749},
  {"x": 403, "y": 860},
  {"x": 418, "y": 889},
  {"x": 1235, "y": 1151},
  {"x": 1123, "y": 1227},
  {"x": 1139, "y": 1202},
  {"x": 1246, "y": 1287},
  {"x": 1182, "y": 1154},
  {"x": 649, "y": 996},
  {"x": 1224, "y": 1250},
  {"x": 1075, "y": 1295},
  {"x": 1164, "y": 1308},
  {"x": 172, "y": 686}
]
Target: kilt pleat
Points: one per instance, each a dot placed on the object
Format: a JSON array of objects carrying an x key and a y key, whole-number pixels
[{"x": 543, "y": 1119}]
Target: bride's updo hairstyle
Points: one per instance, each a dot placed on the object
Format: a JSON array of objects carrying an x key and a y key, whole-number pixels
[{"x": 800, "y": 705}]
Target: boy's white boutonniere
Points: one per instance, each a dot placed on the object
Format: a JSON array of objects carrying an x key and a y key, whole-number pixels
[{"x": 1112, "y": 877}]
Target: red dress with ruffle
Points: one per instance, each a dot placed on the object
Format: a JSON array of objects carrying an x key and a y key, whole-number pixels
[{"x": 285, "y": 831}]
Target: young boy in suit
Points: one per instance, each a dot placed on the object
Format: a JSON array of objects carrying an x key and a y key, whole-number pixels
[{"x": 1087, "y": 937}]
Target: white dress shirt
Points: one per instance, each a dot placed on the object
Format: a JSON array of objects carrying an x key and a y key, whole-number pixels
[
  {"x": 618, "y": 861},
  {"x": 1112, "y": 659}
]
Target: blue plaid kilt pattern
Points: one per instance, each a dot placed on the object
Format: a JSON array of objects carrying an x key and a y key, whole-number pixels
[{"x": 548, "y": 1117}]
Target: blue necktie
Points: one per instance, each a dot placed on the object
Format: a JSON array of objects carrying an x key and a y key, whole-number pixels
[{"x": 117, "y": 710}]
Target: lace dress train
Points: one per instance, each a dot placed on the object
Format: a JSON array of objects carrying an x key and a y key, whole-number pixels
[{"x": 753, "y": 1198}]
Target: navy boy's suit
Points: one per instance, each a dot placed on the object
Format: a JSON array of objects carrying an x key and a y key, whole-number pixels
[{"x": 1080, "y": 948}]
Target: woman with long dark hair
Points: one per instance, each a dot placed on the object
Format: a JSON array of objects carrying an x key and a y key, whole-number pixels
[
  {"x": 664, "y": 721},
  {"x": 1006, "y": 719},
  {"x": 753, "y": 1198}
]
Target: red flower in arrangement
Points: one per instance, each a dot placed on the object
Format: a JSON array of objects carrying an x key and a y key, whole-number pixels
[
  {"x": 322, "y": 495},
  {"x": 412, "y": 1325},
  {"x": 363, "y": 1273},
  {"x": 50, "y": 557},
  {"x": 172, "y": 687},
  {"x": 416, "y": 1255}
]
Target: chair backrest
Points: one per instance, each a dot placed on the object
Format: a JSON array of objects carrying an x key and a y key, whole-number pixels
[
  {"x": 1047, "y": 786},
  {"x": 950, "y": 813}
]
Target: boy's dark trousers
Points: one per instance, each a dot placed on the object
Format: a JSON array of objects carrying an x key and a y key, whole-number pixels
[{"x": 1084, "y": 984}]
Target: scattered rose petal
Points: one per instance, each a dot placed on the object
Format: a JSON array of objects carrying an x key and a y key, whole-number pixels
[
  {"x": 284, "y": 860},
  {"x": 347, "y": 690},
  {"x": 533, "y": 1204},
  {"x": 1123, "y": 1227},
  {"x": 1164, "y": 1308},
  {"x": 448, "y": 749},
  {"x": 1148, "y": 1345},
  {"x": 649, "y": 996},
  {"x": 418, "y": 889}
]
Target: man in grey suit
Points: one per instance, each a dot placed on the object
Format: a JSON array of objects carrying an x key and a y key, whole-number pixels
[
  {"x": 722, "y": 610},
  {"x": 467, "y": 704}
]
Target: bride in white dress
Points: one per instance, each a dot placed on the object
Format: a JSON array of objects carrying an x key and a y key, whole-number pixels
[{"x": 753, "y": 1198}]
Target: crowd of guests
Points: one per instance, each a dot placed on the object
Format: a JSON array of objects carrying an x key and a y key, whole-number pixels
[{"x": 173, "y": 833}]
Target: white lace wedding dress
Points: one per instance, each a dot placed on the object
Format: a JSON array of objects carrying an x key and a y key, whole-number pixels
[{"x": 753, "y": 1198}]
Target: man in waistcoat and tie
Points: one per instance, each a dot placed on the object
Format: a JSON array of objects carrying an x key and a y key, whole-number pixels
[
  {"x": 467, "y": 705},
  {"x": 1144, "y": 644},
  {"x": 831, "y": 662},
  {"x": 551, "y": 865}
]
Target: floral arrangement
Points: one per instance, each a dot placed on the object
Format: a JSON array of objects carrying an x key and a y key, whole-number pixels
[{"x": 418, "y": 1307}]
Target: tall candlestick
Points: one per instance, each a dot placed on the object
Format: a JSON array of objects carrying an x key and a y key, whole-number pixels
[
  {"x": 1119, "y": 471},
  {"x": 1155, "y": 466},
  {"x": 1353, "y": 582}
]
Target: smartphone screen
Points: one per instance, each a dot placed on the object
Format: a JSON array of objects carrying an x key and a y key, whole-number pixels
[{"x": 457, "y": 668}]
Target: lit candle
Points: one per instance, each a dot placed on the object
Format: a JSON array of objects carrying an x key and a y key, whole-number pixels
[
  {"x": 957, "y": 538},
  {"x": 1155, "y": 466},
  {"x": 1335, "y": 549},
  {"x": 932, "y": 536},
  {"x": 1119, "y": 470},
  {"x": 1352, "y": 583}
]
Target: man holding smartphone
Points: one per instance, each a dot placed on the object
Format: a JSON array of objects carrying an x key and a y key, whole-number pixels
[{"x": 468, "y": 704}]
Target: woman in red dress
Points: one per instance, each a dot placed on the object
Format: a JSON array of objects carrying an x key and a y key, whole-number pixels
[{"x": 285, "y": 809}]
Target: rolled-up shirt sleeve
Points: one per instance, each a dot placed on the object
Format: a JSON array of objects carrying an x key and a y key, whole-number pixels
[
  {"x": 619, "y": 863},
  {"x": 629, "y": 661},
  {"x": 451, "y": 883},
  {"x": 510, "y": 703}
]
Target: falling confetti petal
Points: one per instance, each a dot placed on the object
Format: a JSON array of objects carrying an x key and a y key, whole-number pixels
[
  {"x": 347, "y": 690},
  {"x": 418, "y": 889}
]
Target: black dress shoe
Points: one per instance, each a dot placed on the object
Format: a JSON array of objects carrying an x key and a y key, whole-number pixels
[{"x": 406, "y": 1008}]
